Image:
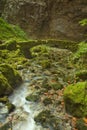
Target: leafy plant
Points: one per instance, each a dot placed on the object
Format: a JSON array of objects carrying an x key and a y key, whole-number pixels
[{"x": 83, "y": 22}]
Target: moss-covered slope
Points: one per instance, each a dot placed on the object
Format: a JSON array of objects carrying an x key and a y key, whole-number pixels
[{"x": 10, "y": 31}]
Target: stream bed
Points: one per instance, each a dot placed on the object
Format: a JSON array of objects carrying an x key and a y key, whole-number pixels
[{"x": 23, "y": 116}]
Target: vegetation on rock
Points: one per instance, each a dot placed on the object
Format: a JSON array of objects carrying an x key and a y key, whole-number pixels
[
  {"x": 12, "y": 76},
  {"x": 5, "y": 87},
  {"x": 80, "y": 124},
  {"x": 10, "y": 31},
  {"x": 32, "y": 97},
  {"x": 81, "y": 75},
  {"x": 75, "y": 96}
]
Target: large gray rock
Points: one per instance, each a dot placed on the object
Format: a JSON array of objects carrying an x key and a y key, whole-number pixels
[{"x": 48, "y": 18}]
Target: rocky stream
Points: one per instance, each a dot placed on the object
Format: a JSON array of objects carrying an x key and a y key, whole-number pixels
[{"x": 39, "y": 101}]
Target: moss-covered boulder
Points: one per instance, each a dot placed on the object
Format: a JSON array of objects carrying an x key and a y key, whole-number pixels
[
  {"x": 11, "y": 75},
  {"x": 48, "y": 120},
  {"x": 10, "y": 106},
  {"x": 47, "y": 101},
  {"x": 75, "y": 96},
  {"x": 43, "y": 117},
  {"x": 5, "y": 87},
  {"x": 33, "y": 97}
]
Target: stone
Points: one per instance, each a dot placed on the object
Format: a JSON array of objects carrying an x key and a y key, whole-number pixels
[
  {"x": 80, "y": 124},
  {"x": 75, "y": 97},
  {"x": 81, "y": 75},
  {"x": 47, "y": 101},
  {"x": 47, "y": 19},
  {"x": 33, "y": 97}
]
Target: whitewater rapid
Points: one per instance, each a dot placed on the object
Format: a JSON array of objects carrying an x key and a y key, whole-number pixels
[{"x": 24, "y": 109}]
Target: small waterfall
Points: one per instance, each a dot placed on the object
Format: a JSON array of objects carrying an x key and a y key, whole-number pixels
[{"x": 23, "y": 110}]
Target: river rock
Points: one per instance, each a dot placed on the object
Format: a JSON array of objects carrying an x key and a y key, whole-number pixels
[{"x": 33, "y": 97}]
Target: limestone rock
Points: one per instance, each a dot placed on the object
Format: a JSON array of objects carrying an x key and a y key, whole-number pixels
[{"x": 48, "y": 18}]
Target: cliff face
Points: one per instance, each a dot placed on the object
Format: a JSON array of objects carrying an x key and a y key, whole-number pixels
[
  {"x": 48, "y": 18},
  {"x": 2, "y": 4}
]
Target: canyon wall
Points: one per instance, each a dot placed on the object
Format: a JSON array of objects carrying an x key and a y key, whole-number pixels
[{"x": 48, "y": 18}]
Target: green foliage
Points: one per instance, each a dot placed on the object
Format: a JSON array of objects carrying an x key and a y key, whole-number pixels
[
  {"x": 8, "y": 31},
  {"x": 83, "y": 22},
  {"x": 75, "y": 96}
]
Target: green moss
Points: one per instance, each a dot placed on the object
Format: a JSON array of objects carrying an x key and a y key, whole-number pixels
[
  {"x": 45, "y": 63},
  {"x": 47, "y": 101},
  {"x": 10, "y": 106},
  {"x": 82, "y": 50},
  {"x": 33, "y": 97},
  {"x": 75, "y": 97},
  {"x": 11, "y": 44},
  {"x": 82, "y": 74},
  {"x": 8, "y": 31},
  {"x": 40, "y": 50},
  {"x": 80, "y": 125},
  {"x": 80, "y": 57},
  {"x": 11, "y": 75},
  {"x": 4, "y": 99},
  {"x": 43, "y": 117},
  {"x": 5, "y": 87}
]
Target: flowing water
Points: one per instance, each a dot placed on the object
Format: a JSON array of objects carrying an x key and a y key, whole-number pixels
[{"x": 25, "y": 111}]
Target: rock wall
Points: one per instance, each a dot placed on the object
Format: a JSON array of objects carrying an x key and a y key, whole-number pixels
[
  {"x": 2, "y": 4},
  {"x": 48, "y": 18}
]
